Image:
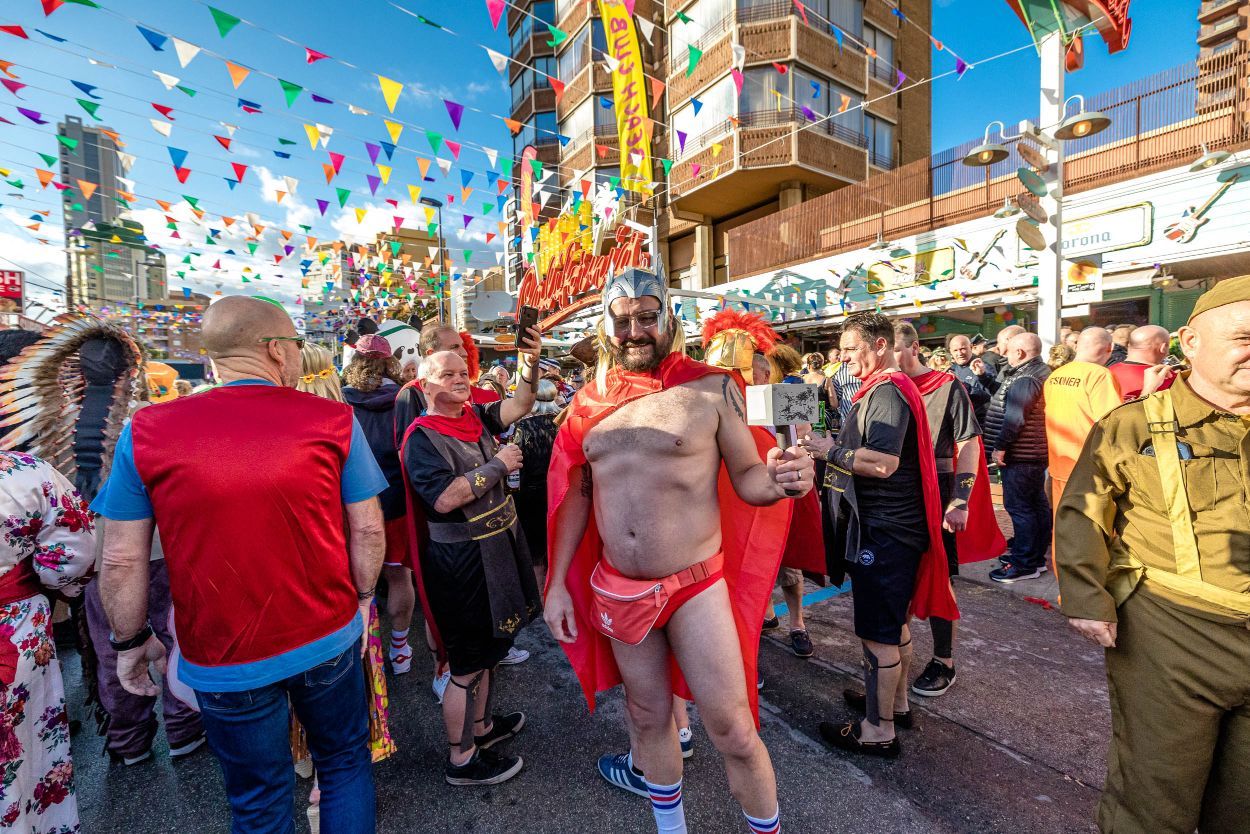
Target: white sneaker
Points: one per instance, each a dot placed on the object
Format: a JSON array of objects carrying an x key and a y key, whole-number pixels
[
  {"x": 440, "y": 685},
  {"x": 515, "y": 656},
  {"x": 186, "y": 749},
  {"x": 401, "y": 660}
]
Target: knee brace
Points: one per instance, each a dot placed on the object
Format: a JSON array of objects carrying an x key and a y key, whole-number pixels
[{"x": 872, "y": 706}]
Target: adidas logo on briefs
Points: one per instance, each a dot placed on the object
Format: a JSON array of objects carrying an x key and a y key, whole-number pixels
[{"x": 605, "y": 620}]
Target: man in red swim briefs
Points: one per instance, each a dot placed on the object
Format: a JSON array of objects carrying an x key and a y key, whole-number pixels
[{"x": 644, "y": 567}]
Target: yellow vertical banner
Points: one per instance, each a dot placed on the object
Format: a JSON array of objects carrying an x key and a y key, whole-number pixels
[{"x": 629, "y": 92}]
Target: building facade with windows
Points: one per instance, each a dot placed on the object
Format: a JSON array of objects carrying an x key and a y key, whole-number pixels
[
  {"x": 736, "y": 155},
  {"x": 1223, "y": 28}
]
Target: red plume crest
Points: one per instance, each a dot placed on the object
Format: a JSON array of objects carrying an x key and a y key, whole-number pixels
[{"x": 753, "y": 324}]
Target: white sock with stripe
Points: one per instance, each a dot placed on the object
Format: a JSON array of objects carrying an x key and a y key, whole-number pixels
[
  {"x": 670, "y": 816},
  {"x": 772, "y": 825}
]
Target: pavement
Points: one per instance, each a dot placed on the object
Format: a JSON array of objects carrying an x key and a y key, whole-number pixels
[{"x": 1017, "y": 744}]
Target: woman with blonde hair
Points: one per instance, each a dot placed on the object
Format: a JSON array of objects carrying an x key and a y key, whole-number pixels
[
  {"x": 319, "y": 376},
  {"x": 787, "y": 364},
  {"x": 1060, "y": 355}
]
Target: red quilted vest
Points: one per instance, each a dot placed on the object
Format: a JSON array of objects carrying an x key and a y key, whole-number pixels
[{"x": 245, "y": 482}]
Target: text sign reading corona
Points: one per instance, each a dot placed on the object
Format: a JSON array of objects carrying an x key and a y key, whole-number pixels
[
  {"x": 629, "y": 93},
  {"x": 574, "y": 279}
]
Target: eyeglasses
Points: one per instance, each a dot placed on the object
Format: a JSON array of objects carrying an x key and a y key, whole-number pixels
[
  {"x": 646, "y": 321},
  {"x": 298, "y": 340}
]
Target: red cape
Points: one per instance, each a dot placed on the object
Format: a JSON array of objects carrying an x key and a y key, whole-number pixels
[
  {"x": 751, "y": 537},
  {"x": 805, "y": 537},
  {"x": 933, "y": 595},
  {"x": 981, "y": 539}
]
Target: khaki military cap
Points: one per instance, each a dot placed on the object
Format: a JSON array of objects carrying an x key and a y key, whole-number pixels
[{"x": 1229, "y": 291}]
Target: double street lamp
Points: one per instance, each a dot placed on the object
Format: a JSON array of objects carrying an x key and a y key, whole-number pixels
[{"x": 1047, "y": 181}]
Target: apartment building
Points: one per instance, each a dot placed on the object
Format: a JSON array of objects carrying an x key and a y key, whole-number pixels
[
  {"x": 1222, "y": 30},
  {"x": 751, "y": 158}
]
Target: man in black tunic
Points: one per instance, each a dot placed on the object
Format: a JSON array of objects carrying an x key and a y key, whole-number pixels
[{"x": 477, "y": 585}]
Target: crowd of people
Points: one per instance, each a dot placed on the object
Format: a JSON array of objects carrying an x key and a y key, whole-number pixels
[{"x": 293, "y": 491}]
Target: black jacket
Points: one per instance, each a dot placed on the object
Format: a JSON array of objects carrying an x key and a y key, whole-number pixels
[
  {"x": 1015, "y": 421},
  {"x": 980, "y": 388},
  {"x": 375, "y": 411}
]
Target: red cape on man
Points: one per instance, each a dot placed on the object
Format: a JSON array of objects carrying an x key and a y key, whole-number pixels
[
  {"x": 933, "y": 595},
  {"x": 805, "y": 536},
  {"x": 981, "y": 539},
  {"x": 751, "y": 537}
]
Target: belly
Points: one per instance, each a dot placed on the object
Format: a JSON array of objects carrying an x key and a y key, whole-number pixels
[{"x": 655, "y": 492}]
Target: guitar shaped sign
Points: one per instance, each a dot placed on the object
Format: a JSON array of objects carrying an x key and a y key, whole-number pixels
[
  {"x": 972, "y": 269},
  {"x": 1183, "y": 230}
]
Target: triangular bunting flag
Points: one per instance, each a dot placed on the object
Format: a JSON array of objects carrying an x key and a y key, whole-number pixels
[
  {"x": 237, "y": 73},
  {"x": 225, "y": 22},
  {"x": 186, "y": 52},
  {"x": 390, "y": 91},
  {"x": 291, "y": 90}
]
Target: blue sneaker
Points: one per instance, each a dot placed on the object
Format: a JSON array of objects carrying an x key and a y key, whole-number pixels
[
  {"x": 619, "y": 771},
  {"x": 687, "y": 742},
  {"x": 1011, "y": 573}
]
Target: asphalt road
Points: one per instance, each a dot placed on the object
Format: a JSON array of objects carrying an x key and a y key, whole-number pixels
[{"x": 1018, "y": 744}]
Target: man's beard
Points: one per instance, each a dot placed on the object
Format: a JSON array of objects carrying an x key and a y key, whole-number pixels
[{"x": 634, "y": 362}]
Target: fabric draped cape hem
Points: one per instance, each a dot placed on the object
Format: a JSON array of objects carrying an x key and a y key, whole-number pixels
[
  {"x": 981, "y": 539},
  {"x": 752, "y": 538},
  {"x": 933, "y": 595}
]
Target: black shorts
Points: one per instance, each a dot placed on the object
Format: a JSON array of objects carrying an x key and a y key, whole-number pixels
[
  {"x": 455, "y": 585},
  {"x": 883, "y": 581}
]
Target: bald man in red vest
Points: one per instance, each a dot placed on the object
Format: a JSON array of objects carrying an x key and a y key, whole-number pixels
[{"x": 266, "y": 502}]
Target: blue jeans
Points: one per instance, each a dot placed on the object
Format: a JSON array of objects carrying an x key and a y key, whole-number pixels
[
  {"x": 1024, "y": 498},
  {"x": 250, "y": 732}
]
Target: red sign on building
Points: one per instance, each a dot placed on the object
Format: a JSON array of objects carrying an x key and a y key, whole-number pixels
[{"x": 11, "y": 291}]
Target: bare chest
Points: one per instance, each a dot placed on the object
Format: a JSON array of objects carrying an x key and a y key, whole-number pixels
[{"x": 677, "y": 422}]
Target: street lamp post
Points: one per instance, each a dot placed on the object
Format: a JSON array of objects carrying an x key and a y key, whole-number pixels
[
  {"x": 1057, "y": 128},
  {"x": 1050, "y": 259},
  {"x": 442, "y": 251}
]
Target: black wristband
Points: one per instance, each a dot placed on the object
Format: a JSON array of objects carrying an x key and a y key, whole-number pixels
[
  {"x": 842, "y": 458},
  {"x": 964, "y": 481},
  {"x": 362, "y": 596},
  {"x": 483, "y": 479},
  {"x": 132, "y": 642}
]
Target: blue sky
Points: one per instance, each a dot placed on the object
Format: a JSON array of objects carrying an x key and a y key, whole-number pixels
[
  {"x": 1163, "y": 36},
  {"x": 433, "y": 65}
]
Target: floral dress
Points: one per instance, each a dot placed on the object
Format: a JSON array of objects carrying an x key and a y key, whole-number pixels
[{"x": 47, "y": 538}]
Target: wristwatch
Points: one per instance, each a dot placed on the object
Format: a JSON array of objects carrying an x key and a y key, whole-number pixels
[{"x": 131, "y": 642}]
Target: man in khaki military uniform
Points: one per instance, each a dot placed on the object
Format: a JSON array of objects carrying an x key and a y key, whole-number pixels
[{"x": 1153, "y": 544}]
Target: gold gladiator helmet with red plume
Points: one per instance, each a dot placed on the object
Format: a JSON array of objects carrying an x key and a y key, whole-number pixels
[{"x": 732, "y": 337}]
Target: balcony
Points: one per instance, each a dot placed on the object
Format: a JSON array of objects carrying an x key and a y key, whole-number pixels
[
  {"x": 537, "y": 101},
  {"x": 1212, "y": 10},
  {"x": 769, "y": 30},
  {"x": 883, "y": 162},
  {"x": 592, "y": 78},
  {"x": 763, "y": 153},
  {"x": 575, "y": 17},
  {"x": 1213, "y": 33},
  {"x": 534, "y": 46}
]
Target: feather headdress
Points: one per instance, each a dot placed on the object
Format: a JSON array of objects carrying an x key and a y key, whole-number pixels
[{"x": 42, "y": 390}]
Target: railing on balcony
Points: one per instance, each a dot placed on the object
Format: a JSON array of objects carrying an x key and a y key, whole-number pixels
[
  {"x": 789, "y": 115},
  {"x": 882, "y": 71},
  {"x": 1157, "y": 123},
  {"x": 1212, "y": 6},
  {"x": 884, "y": 161},
  {"x": 1220, "y": 27}
]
